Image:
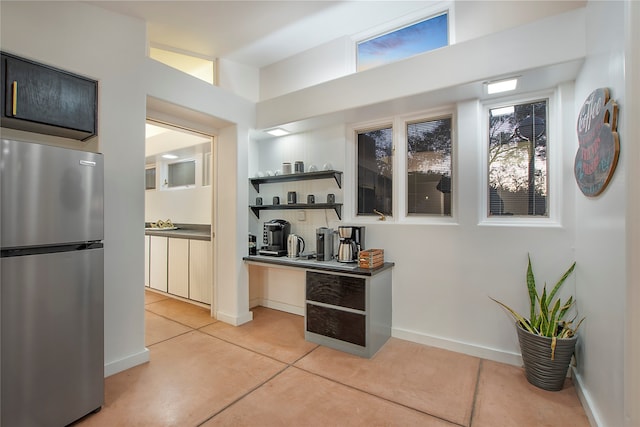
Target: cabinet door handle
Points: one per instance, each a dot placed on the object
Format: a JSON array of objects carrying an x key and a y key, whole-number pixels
[{"x": 14, "y": 104}]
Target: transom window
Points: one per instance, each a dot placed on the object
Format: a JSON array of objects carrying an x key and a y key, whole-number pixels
[
  {"x": 429, "y": 167},
  {"x": 518, "y": 160},
  {"x": 423, "y": 36}
]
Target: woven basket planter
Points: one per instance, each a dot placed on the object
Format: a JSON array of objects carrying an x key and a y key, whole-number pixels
[{"x": 540, "y": 369}]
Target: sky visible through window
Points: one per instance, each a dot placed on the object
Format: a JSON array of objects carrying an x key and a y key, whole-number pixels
[{"x": 408, "y": 41}]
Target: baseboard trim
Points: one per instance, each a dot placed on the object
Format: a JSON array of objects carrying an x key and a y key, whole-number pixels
[
  {"x": 281, "y": 306},
  {"x": 234, "y": 320},
  {"x": 126, "y": 363},
  {"x": 459, "y": 347},
  {"x": 585, "y": 399}
]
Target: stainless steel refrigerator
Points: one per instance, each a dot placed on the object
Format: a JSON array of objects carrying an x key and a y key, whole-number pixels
[{"x": 51, "y": 288}]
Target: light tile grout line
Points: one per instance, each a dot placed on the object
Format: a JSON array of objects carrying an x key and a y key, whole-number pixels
[
  {"x": 380, "y": 397},
  {"x": 475, "y": 393},
  {"x": 239, "y": 398},
  {"x": 292, "y": 365}
]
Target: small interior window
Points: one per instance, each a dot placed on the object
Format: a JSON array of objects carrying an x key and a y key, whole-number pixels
[
  {"x": 182, "y": 174},
  {"x": 150, "y": 178}
]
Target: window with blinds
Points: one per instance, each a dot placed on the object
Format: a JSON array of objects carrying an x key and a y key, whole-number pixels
[
  {"x": 517, "y": 162},
  {"x": 429, "y": 185}
]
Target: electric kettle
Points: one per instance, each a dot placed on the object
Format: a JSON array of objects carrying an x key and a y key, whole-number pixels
[{"x": 295, "y": 245}]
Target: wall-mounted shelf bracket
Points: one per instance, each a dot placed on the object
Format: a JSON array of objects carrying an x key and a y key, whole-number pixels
[{"x": 337, "y": 207}]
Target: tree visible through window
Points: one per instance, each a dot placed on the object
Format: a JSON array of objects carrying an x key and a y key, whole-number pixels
[
  {"x": 518, "y": 160},
  {"x": 429, "y": 167},
  {"x": 375, "y": 171}
]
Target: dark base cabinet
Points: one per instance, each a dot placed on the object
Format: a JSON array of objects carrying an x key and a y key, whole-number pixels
[
  {"x": 42, "y": 99},
  {"x": 347, "y": 312},
  {"x": 338, "y": 324}
]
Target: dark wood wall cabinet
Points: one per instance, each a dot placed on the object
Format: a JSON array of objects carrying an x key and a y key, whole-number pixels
[
  {"x": 42, "y": 99},
  {"x": 348, "y": 313}
]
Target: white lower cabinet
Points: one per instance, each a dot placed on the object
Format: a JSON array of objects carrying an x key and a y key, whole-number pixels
[
  {"x": 178, "y": 267},
  {"x": 200, "y": 271},
  {"x": 181, "y": 267},
  {"x": 147, "y": 243},
  {"x": 158, "y": 263}
]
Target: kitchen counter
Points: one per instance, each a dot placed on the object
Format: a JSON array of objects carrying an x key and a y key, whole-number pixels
[
  {"x": 183, "y": 231},
  {"x": 312, "y": 264}
]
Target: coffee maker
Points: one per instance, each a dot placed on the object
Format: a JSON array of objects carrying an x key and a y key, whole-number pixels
[
  {"x": 324, "y": 244},
  {"x": 274, "y": 237},
  {"x": 351, "y": 243}
]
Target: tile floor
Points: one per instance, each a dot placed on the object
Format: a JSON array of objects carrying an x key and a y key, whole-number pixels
[{"x": 207, "y": 373}]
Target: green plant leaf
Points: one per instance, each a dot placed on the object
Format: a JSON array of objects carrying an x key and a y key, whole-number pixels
[
  {"x": 531, "y": 286},
  {"x": 552, "y": 327},
  {"x": 546, "y": 312},
  {"x": 524, "y": 322},
  {"x": 561, "y": 281},
  {"x": 565, "y": 308}
]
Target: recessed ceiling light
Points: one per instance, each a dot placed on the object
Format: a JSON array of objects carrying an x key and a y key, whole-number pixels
[
  {"x": 277, "y": 132},
  {"x": 501, "y": 86},
  {"x": 169, "y": 156}
]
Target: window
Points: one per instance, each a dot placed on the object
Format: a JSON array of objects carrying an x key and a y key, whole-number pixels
[
  {"x": 150, "y": 178},
  {"x": 375, "y": 171},
  {"x": 518, "y": 160},
  {"x": 200, "y": 68},
  {"x": 182, "y": 174},
  {"x": 429, "y": 167},
  {"x": 413, "y": 39}
]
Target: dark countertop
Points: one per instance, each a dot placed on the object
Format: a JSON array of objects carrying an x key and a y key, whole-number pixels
[
  {"x": 183, "y": 231},
  {"x": 312, "y": 264}
]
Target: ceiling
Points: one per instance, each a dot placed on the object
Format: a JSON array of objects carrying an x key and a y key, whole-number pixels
[{"x": 260, "y": 33}]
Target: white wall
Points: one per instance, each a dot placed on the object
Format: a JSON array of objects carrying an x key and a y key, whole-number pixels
[
  {"x": 231, "y": 226},
  {"x": 109, "y": 48},
  {"x": 320, "y": 147},
  {"x": 632, "y": 126},
  {"x": 324, "y": 63},
  {"x": 601, "y": 229},
  {"x": 238, "y": 78},
  {"x": 181, "y": 206},
  {"x": 470, "y": 20}
]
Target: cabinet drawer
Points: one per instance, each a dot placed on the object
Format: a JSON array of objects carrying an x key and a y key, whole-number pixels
[
  {"x": 344, "y": 291},
  {"x": 338, "y": 324}
]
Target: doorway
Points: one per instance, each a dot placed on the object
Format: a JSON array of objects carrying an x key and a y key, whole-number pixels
[{"x": 179, "y": 201}]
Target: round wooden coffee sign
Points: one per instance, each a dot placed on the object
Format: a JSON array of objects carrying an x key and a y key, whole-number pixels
[{"x": 599, "y": 146}]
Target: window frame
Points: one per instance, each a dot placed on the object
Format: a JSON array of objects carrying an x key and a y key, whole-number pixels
[
  {"x": 421, "y": 119},
  {"x": 195, "y": 174},
  {"x": 554, "y": 163},
  {"x": 356, "y": 130},
  {"x": 399, "y": 163},
  {"x": 155, "y": 177},
  {"x": 409, "y": 19}
]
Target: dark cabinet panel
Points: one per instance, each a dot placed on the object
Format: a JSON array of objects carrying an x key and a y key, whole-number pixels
[
  {"x": 344, "y": 291},
  {"x": 42, "y": 99},
  {"x": 338, "y": 324}
]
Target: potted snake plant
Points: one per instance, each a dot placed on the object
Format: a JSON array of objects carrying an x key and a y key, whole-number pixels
[{"x": 547, "y": 340}]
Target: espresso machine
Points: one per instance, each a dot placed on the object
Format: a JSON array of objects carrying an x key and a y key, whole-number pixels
[
  {"x": 274, "y": 237},
  {"x": 351, "y": 243}
]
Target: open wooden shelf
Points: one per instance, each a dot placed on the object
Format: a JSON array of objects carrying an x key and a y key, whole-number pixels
[{"x": 337, "y": 207}]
